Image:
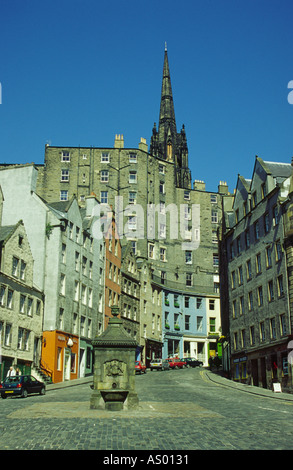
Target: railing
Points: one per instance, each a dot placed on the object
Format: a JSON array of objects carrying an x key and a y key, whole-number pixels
[{"x": 46, "y": 370}]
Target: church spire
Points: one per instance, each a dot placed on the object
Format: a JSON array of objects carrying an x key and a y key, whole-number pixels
[
  {"x": 167, "y": 122},
  {"x": 165, "y": 142}
]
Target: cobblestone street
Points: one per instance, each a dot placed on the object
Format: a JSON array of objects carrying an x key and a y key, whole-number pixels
[{"x": 189, "y": 409}]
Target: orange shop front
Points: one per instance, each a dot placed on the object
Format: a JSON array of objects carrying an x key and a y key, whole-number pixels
[{"x": 60, "y": 355}]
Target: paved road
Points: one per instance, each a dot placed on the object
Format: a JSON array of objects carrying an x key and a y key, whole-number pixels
[{"x": 189, "y": 409}]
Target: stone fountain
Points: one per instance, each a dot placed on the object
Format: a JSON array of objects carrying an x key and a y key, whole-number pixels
[{"x": 114, "y": 368}]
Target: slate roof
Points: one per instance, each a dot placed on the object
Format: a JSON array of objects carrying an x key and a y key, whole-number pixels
[{"x": 6, "y": 231}]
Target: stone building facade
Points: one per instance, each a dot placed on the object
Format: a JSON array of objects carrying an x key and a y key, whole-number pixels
[
  {"x": 259, "y": 314},
  {"x": 148, "y": 191},
  {"x": 168, "y": 220},
  {"x": 21, "y": 304},
  {"x": 151, "y": 324},
  {"x": 130, "y": 293},
  {"x": 112, "y": 269},
  {"x": 67, "y": 268}
]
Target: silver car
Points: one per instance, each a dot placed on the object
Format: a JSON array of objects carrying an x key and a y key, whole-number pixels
[{"x": 159, "y": 364}]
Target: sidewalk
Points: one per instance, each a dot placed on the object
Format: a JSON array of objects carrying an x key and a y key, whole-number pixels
[
  {"x": 216, "y": 377},
  {"x": 70, "y": 383}
]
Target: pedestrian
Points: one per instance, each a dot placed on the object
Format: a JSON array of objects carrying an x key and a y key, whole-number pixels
[
  {"x": 211, "y": 362},
  {"x": 11, "y": 372},
  {"x": 217, "y": 362},
  {"x": 18, "y": 371}
]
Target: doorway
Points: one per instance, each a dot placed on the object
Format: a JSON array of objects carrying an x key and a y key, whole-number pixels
[
  {"x": 81, "y": 363},
  {"x": 67, "y": 364},
  {"x": 263, "y": 372},
  {"x": 254, "y": 372}
]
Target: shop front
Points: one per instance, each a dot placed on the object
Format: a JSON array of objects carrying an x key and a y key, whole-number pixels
[
  {"x": 86, "y": 366},
  {"x": 173, "y": 345},
  {"x": 270, "y": 366},
  {"x": 153, "y": 349},
  {"x": 60, "y": 355},
  {"x": 239, "y": 369}
]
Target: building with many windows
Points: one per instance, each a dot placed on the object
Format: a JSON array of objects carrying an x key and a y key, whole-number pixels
[
  {"x": 21, "y": 304},
  {"x": 130, "y": 293},
  {"x": 169, "y": 221},
  {"x": 256, "y": 313},
  {"x": 191, "y": 325},
  {"x": 151, "y": 324},
  {"x": 67, "y": 268}
]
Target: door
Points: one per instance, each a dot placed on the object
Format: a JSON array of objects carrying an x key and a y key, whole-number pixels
[
  {"x": 67, "y": 364},
  {"x": 81, "y": 363},
  {"x": 263, "y": 372},
  {"x": 254, "y": 372}
]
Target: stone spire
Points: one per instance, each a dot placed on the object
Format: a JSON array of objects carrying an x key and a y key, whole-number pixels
[
  {"x": 165, "y": 142},
  {"x": 167, "y": 122}
]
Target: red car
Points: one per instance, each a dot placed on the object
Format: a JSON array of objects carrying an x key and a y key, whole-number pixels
[
  {"x": 140, "y": 367},
  {"x": 175, "y": 362}
]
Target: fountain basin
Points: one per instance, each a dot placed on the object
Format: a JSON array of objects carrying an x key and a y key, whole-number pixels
[{"x": 114, "y": 399}]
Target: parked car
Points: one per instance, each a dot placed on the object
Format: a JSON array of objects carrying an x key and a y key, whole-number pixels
[
  {"x": 21, "y": 385},
  {"x": 140, "y": 367},
  {"x": 160, "y": 364},
  {"x": 192, "y": 362},
  {"x": 175, "y": 362}
]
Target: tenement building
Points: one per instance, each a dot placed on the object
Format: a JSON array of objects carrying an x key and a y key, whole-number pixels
[
  {"x": 21, "y": 304},
  {"x": 257, "y": 250},
  {"x": 168, "y": 221},
  {"x": 65, "y": 263}
]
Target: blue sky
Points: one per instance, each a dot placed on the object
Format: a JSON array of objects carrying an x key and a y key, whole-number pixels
[{"x": 78, "y": 72}]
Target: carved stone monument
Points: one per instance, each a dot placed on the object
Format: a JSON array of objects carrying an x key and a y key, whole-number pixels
[{"x": 114, "y": 368}]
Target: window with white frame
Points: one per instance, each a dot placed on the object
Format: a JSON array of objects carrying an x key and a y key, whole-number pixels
[
  {"x": 76, "y": 291},
  {"x": 8, "y": 334},
  {"x": 65, "y": 156},
  {"x": 163, "y": 254},
  {"x": 30, "y": 306},
  {"x": 105, "y": 157},
  {"x": 199, "y": 323},
  {"x": 15, "y": 266},
  {"x": 104, "y": 176},
  {"x": 22, "y": 301},
  {"x": 132, "y": 197},
  {"x": 2, "y": 296},
  {"x": 10, "y": 298},
  {"x": 132, "y": 158},
  {"x": 64, "y": 175},
  {"x": 132, "y": 177},
  {"x": 104, "y": 197},
  {"x": 151, "y": 250},
  {"x": 214, "y": 217},
  {"x": 64, "y": 195}
]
